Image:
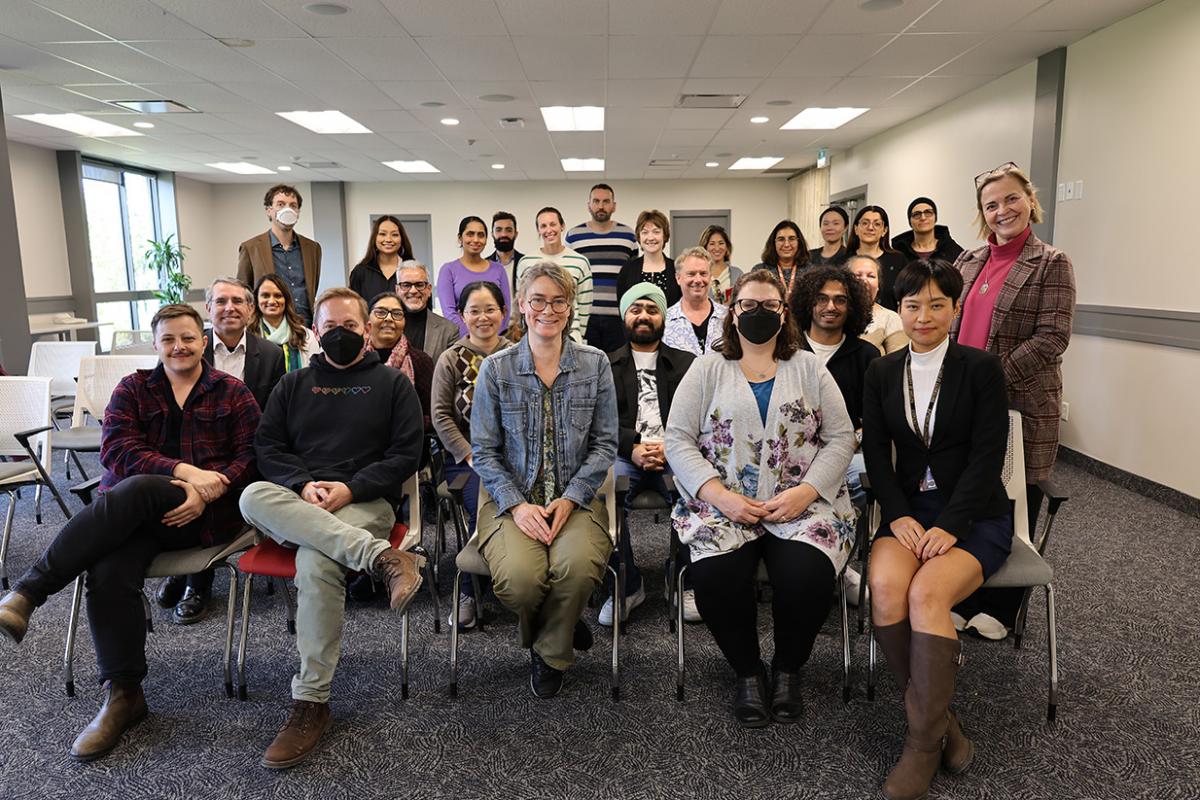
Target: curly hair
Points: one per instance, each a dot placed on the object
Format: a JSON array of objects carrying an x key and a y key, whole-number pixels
[{"x": 809, "y": 285}]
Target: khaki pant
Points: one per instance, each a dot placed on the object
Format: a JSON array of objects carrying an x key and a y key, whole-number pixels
[{"x": 547, "y": 587}]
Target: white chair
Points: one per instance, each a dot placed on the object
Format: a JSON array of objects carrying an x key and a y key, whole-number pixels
[
  {"x": 470, "y": 562},
  {"x": 59, "y": 361},
  {"x": 131, "y": 342},
  {"x": 98, "y": 378},
  {"x": 1026, "y": 567}
]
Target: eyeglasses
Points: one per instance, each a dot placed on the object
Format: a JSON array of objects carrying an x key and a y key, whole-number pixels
[
  {"x": 383, "y": 313},
  {"x": 473, "y": 313},
  {"x": 870, "y": 224},
  {"x": 406, "y": 286},
  {"x": 921, "y": 213},
  {"x": 837, "y": 301},
  {"x": 558, "y": 304},
  {"x": 786, "y": 240},
  {"x": 750, "y": 306},
  {"x": 1000, "y": 171}
]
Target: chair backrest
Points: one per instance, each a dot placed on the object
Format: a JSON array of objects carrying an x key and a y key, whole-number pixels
[
  {"x": 412, "y": 490},
  {"x": 125, "y": 339},
  {"x": 24, "y": 405},
  {"x": 1014, "y": 475},
  {"x": 59, "y": 361},
  {"x": 98, "y": 378},
  {"x": 608, "y": 490}
]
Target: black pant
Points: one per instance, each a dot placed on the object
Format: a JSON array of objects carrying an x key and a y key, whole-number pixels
[
  {"x": 802, "y": 587},
  {"x": 1005, "y": 604},
  {"x": 114, "y": 540}
]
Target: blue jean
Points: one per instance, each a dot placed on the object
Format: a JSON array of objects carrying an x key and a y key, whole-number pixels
[
  {"x": 854, "y": 485},
  {"x": 452, "y": 470}
]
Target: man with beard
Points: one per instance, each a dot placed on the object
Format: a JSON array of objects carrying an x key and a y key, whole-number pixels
[
  {"x": 646, "y": 373},
  {"x": 607, "y": 245},
  {"x": 504, "y": 234},
  {"x": 428, "y": 332}
]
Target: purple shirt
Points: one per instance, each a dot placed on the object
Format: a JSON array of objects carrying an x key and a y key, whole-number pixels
[{"x": 454, "y": 276}]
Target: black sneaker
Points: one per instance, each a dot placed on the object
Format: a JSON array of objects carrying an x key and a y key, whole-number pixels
[
  {"x": 582, "y": 639},
  {"x": 192, "y": 608},
  {"x": 170, "y": 591},
  {"x": 362, "y": 589},
  {"x": 544, "y": 680}
]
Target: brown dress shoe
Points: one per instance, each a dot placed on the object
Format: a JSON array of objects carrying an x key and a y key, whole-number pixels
[
  {"x": 401, "y": 572},
  {"x": 124, "y": 706},
  {"x": 299, "y": 735},
  {"x": 15, "y": 610}
]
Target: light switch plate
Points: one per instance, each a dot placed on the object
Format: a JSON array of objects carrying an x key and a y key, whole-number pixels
[
  {"x": 1062, "y": 192},
  {"x": 1070, "y": 191},
  {"x": 1078, "y": 190}
]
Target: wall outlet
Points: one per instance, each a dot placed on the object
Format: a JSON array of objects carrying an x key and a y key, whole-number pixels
[
  {"x": 1062, "y": 192},
  {"x": 1070, "y": 191},
  {"x": 1065, "y": 411}
]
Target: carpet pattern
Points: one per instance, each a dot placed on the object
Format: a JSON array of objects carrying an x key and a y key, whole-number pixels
[{"x": 1127, "y": 722}]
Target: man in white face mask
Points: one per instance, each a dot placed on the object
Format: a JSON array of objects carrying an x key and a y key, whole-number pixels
[{"x": 282, "y": 251}]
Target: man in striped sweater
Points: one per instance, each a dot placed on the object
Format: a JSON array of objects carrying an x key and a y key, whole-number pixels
[
  {"x": 550, "y": 227},
  {"x": 607, "y": 245}
]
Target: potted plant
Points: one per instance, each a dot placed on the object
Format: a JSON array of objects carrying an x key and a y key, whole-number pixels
[{"x": 166, "y": 257}]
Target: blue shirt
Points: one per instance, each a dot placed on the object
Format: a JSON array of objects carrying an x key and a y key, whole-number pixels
[
  {"x": 289, "y": 265},
  {"x": 762, "y": 396}
]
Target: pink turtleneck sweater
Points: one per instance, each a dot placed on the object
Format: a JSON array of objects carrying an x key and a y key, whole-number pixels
[{"x": 977, "y": 308}]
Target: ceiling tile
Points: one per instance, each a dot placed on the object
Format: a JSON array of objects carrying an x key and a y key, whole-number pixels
[
  {"x": 233, "y": 18},
  {"x": 126, "y": 19},
  {"x": 28, "y": 22},
  {"x": 206, "y": 97},
  {"x": 645, "y": 56},
  {"x": 627, "y": 120},
  {"x": 391, "y": 120},
  {"x": 831, "y": 55},
  {"x": 444, "y": 17},
  {"x": 801, "y": 91},
  {"x": 741, "y": 56},
  {"x": 918, "y": 54},
  {"x": 569, "y": 93},
  {"x": 846, "y": 17},
  {"x": 389, "y": 59},
  {"x": 366, "y": 18},
  {"x": 350, "y": 95},
  {"x": 966, "y": 17},
  {"x": 469, "y": 57},
  {"x": 1007, "y": 51},
  {"x": 553, "y": 18},
  {"x": 563, "y": 57},
  {"x": 859, "y": 92},
  {"x": 698, "y": 118},
  {"x": 1070, "y": 15},
  {"x": 662, "y": 17},
  {"x": 275, "y": 95},
  {"x": 59, "y": 99},
  {"x": 578, "y": 144},
  {"x": 934, "y": 91},
  {"x": 207, "y": 59},
  {"x": 685, "y": 138},
  {"x": 646, "y": 92},
  {"x": 121, "y": 62},
  {"x": 299, "y": 60},
  {"x": 411, "y": 94},
  {"x": 471, "y": 91},
  {"x": 756, "y": 16}
]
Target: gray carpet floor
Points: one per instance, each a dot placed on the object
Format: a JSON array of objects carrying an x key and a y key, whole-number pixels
[{"x": 1128, "y": 723}]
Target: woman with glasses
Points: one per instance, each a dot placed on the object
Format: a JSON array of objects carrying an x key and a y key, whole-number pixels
[
  {"x": 470, "y": 267},
  {"x": 785, "y": 253},
  {"x": 869, "y": 237},
  {"x": 387, "y": 249},
  {"x": 276, "y": 320},
  {"x": 926, "y": 241},
  {"x": 394, "y": 349},
  {"x": 715, "y": 239},
  {"x": 833, "y": 221},
  {"x": 1019, "y": 304},
  {"x": 543, "y": 437},
  {"x": 759, "y": 441}
]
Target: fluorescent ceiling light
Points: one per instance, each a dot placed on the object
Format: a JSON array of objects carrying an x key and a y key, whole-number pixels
[
  {"x": 765, "y": 162},
  {"x": 77, "y": 123},
  {"x": 583, "y": 164},
  {"x": 411, "y": 166},
  {"x": 573, "y": 118},
  {"x": 241, "y": 168},
  {"x": 324, "y": 121},
  {"x": 822, "y": 119}
]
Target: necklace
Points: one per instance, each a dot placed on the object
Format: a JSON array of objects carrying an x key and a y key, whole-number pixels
[{"x": 983, "y": 288}]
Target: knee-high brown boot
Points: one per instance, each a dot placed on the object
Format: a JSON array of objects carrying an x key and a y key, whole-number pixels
[
  {"x": 933, "y": 665},
  {"x": 894, "y": 640}
]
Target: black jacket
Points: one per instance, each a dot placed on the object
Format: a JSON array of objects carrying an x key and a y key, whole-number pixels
[
  {"x": 631, "y": 274},
  {"x": 671, "y": 367},
  {"x": 367, "y": 279},
  {"x": 947, "y": 249},
  {"x": 848, "y": 366},
  {"x": 264, "y": 364},
  {"x": 970, "y": 436}
]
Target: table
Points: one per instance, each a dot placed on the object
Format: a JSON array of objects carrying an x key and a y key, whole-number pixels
[{"x": 64, "y": 332}]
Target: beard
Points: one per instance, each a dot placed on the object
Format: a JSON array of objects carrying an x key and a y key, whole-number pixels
[
  {"x": 601, "y": 216},
  {"x": 644, "y": 334},
  {"x": 504, "y": 245}
]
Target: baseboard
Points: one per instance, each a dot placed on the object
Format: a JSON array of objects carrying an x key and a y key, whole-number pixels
[{"x": 1172, "y": 498}]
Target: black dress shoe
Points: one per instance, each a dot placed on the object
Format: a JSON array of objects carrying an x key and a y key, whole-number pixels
[
  {"x": 787, "y": 705},
  {"x": 582, "y": 638},
  {"x": 170, "y": 591},
  {"x": 192, "y": 608},
  {"x": 750, "y": 701},
  {"x": 544, "y": 680},
  {"x": 363, "y": 588}
]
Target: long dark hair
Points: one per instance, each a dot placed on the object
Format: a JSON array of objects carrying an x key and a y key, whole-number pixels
[
  {"x": 770, "y": 256},
  {"x": 297, "y": 337},
  {"x": 406, "y": 251},
  {"x": 809, "y": 285},
  {"x": 788, "y": 340},
  {"x": 885, "y": 241},
  {"x": 461, "y": 302}
]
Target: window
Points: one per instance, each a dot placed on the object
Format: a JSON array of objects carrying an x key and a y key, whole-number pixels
[{"x": 122, "y": 218}]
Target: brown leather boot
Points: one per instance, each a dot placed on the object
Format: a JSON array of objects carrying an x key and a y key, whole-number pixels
[
  {"x": 401, "y": 572},
  {"x": 894, "y": 641},
  {"x": 15, "y": 611},
  {"x": 932, "y": 667},
  {"x": 960, "y": 751},
  {"x": 124, "y": 706},
  {"x": 299, "y": 736}
]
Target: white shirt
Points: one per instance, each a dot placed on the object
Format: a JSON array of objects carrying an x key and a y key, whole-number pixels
[
  {"x": 230, "y": 361},
  {"x": 649, "y": 417},
  {"x": 925, "y": 369},
  {"x": 824, "y": 351}
]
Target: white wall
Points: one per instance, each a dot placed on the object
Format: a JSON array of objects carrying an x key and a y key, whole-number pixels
[
  {"x": 39, "y": 220},
  {"x": 938, "y": 154}
]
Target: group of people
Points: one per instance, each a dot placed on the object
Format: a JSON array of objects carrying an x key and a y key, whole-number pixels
[{"x": 766, "y": 394}]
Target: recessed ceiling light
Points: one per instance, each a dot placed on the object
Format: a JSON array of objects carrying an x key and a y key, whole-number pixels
[
  {"x": 761, "y": 163},
  {"x": 583, "y": 164},
  {"x": 432, "y": 104},
  {"x": 143, "y": 124},
  {"x": 79, "y": 124},
  {"x": 284, "y": 168},
  {"x": 327, "y": 9},
  {"x": 323, "y": 121},
  {"x": 760, "y": 120},
  {"x": 573, "y": 118},
  {"x": 449, "y": 121},
  {"x": 779, "y": 102},
  {"x": 712, "y": 164},
  {"x": 411, "y": 166},
  {"x": 241, "y": 168},
  {"x": 497, "y": 98},
  {"x": 497, "y": 166},
  {"x": 822, "y": 119}
]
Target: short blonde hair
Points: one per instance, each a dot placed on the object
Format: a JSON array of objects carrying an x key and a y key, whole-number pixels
[
  {"x": 561, "y": 278},
  {"x": 339, "y": 292},
  {"x": 1000, "y": 173},
  {"x": 694, "y": 252}
]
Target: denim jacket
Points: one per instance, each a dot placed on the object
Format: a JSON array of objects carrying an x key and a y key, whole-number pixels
[{"x": 506, "y": 423}]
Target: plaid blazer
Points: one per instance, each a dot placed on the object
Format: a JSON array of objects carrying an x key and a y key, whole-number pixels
[
  {"x": 217, "y": 434},
  {"x": 1031, "y": 327}
]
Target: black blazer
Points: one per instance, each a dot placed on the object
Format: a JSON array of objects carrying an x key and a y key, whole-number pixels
[
  {"x": 848, "y": 366},
  {"x": 631, "y": 274},
  {"x": 264, "y": 364},
  {"x": 970, "y": 436},
  {"x": 671, "y": 367}
]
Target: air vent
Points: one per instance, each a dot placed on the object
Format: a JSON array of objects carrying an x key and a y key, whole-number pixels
[
  {"x": 154, "y": 106},
  {"x": 511, "y": 123},
  {"x": 317, "y": 164},
  {"x": 711, "y": 101},
  {"x": 672, "y": 163}
]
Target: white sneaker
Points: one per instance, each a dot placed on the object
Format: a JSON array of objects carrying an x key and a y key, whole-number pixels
[
  {"x": 466, "y": 613},
  {"x": 960, "y": 624},
  {"x": 690, "y": 612},
  {"x": 988, "y": 627},
  {"x": 632, "y": 601},
  {"x": 853, "y": 583}
]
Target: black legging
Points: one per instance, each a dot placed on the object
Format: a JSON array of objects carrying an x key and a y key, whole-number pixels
[
  {"x": 802, "y": 590},
  {"x": 113, "y": 540}
]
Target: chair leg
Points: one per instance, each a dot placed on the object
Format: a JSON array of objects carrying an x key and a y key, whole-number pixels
[
  {"x": 290, "y": 602},
  {"x": 439, "y": 538},
  {"x": 871, "y": 666},
  {"x": 8, "y": 524},
  {"x": 82, "y": 472},
  {"x": 1022, "y": 616},
  {"x": 37, "y": 504},
  {"x": 1052, "y": 642},
  {"x": 404, "y": 655},
  {"x": 618, "y": 591},
  {"x": 478, "y": 589},
  {"x": 72, "y": 629},
  {"x": 454, "y": 632},
  {"x": 241, "y": 658},
  {"x": 431, "y": 582},
  {"x": 845, "y": 642},
  {"x": 679, "y": 651},
  {"x": 672, "y": 565},
  {"x": 146, "y": 613},
  {"x": 67, "y": 463},
  {"x": 230, "y": 610}
]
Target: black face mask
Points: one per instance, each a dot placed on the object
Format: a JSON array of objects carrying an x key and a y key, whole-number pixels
[
  {"x": 759, "y": 326},
  {"x": 342, "y": 345},
  {"x": 504, "y": 245}
]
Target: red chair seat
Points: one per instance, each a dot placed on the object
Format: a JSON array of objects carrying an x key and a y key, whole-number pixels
[{"x": 268, "y": 557}]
